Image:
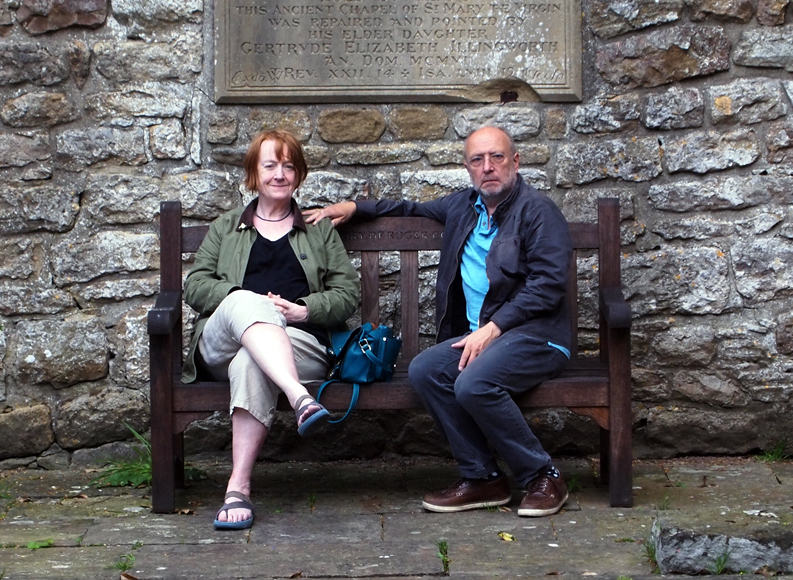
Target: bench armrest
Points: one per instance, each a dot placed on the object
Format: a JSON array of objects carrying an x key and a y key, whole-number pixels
[
  {"x": 165, "y": 313},
  {"x": 616, "y": 311}
]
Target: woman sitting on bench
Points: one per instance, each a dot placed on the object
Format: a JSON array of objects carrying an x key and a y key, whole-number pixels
[{"x": 268, "y": 288}]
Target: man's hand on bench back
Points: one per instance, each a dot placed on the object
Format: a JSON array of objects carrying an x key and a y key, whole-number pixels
[{"x": 338, "y": 213}]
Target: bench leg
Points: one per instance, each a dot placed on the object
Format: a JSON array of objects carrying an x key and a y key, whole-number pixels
[
  {"x": 163, "y": 480},
  {"x": 167, "y": 473},
  {"x": 178, "y": 459},
  {"x": 604, "y": 455},
  {"x": 163, "y": 476},
  {"x": 621, "y": 472},
  {"x": 620, "y": 421}
]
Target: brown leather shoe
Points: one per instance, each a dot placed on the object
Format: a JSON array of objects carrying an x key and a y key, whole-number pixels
[
  {"x": 545, "y": 495},
  {"x": 469, "y": 494}
]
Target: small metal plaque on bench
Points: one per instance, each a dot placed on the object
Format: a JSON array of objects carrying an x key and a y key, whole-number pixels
[{"x": 274, "y": 51}]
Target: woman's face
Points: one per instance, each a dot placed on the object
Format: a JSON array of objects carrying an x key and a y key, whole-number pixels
[{"x": 276, "y": 178}]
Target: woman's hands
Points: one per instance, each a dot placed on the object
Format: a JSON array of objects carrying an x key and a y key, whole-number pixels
[
  {"x": 338, "y": 213},
  {"x": 291, "y": 311}
]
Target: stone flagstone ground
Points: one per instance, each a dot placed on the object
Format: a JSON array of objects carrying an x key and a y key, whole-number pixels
[{"x": 363, "y": 519}]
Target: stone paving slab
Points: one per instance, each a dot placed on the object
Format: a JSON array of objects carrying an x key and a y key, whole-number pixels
[
  {"x": 783, "y": 472},
  {"x": 695, "y": 548},
  {"x": 736, "y": 515},
  {"x": 279, "y": 529},
  {"x": 466, "y": 527},
  {"x": 60, "y": 533},
  {"x": 89, "y": 507},
  {"x": 472, "y": 538},
  {"x": 601, "y": 543},
  {"x": 162, "y": 530},
  {"x": 321, "y": 559},
  {"x": 568, "y": 543},
  {"x": 77, "y": 563}
]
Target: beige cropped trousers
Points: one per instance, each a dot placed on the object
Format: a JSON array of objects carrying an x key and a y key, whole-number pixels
[{"x": 227, "y": 359}]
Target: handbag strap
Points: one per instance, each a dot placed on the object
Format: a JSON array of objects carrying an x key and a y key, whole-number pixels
[
  {"x": 367, "y": 350},
  {"x": 356, "y": 388},
  {"x": 353, "y": 337}
]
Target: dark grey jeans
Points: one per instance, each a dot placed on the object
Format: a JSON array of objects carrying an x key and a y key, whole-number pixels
[{"x": 476, "y": 406}]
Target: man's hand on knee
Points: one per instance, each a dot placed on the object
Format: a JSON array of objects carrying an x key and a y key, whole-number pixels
[{"x": 473, "y": 344}]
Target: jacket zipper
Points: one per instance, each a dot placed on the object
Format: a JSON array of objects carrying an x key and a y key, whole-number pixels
[{"x": 456, "y": 266}]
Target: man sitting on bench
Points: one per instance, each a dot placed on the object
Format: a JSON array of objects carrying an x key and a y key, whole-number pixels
[{"x": 503, "y": 326}]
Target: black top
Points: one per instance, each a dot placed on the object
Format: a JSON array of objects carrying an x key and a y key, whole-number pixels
[{"x": 273, "y": 267}]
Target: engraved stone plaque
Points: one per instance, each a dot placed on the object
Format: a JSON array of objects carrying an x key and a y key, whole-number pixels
[{"x": 285, "y": 51}]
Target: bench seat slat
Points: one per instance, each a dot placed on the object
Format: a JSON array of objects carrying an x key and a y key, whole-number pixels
[{"x": 577, "y": 388}]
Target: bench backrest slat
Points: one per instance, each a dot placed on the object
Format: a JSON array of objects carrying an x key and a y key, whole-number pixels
[
  {"x": 408, "y": 236},
  {"x": 409, "y": 281},
  {"x": 370, "y": 278},
  {"x": 170, "y": 242},
  {"x": 609, "y": 242},
  {"x": 572, "y": 302}
]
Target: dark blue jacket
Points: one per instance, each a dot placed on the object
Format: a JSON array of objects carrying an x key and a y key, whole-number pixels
[{"x": 527, "y": 264}]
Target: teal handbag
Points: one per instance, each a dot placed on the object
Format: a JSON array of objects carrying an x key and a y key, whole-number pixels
[{"x": 361, "y": 356}]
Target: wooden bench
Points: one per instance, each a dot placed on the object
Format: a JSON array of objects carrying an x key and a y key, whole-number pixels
[{"x": 599, "y": 387}]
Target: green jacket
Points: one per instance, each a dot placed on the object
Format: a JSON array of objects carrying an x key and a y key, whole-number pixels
[{"x": 221, "y": 261}]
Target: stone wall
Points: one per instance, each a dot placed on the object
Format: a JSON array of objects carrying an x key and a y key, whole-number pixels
[{"x": 105, "y": 111}]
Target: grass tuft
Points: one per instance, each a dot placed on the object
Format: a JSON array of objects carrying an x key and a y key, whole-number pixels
[
  {"x": 135, "y": 472},
  {"x": 124, "y": 563},
  {"x": 650, "y": 553},
  {"x": 776, "y": 453},
  {"x": 48, "y": 543},
  {"x": 443, "y": 554},
  {"x": 719, "y": 565}
]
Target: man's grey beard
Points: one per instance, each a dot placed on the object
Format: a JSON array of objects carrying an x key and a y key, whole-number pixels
[{"x": 501, "y": 193}]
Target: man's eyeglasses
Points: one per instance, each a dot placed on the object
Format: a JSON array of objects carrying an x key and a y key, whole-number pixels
[{"x": 478, "y": 161}]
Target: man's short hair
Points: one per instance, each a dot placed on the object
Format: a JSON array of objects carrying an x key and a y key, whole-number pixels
[{"x": 512, "y": 148}]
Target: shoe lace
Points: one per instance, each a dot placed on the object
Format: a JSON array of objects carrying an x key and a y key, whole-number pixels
[
  {"x": 540, "y": 485},
  {"x": 459, "y": 483}
]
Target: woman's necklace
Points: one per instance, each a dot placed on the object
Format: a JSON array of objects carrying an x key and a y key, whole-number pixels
[{"x": 278, "y": 220}]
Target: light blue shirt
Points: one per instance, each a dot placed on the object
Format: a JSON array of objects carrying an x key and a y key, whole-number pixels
[{"x": 473, "y": 270}]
